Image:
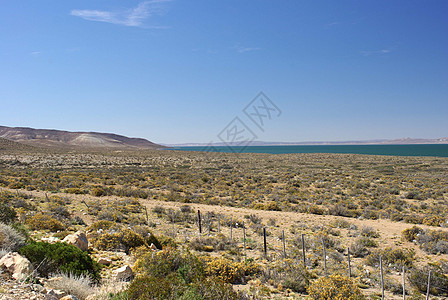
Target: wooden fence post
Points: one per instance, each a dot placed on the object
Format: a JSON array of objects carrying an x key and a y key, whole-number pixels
[
  {"x": 231, "y": 228},
  {"x": 382, "y": 278},
  {"x": 325, "y": 258},
  {"x": 429, "y": 285},
  {"x": 244, "y": 239},
  {"x": 265, "y": 245},
  {"x": 147, "y": 219},
  {"x": 209, "y": 222},
  {"x": 199, "y": 222},
  {"x": 303, "y": 250},
  {"x": 404, "y": 283},
  {"x": 349, "y": 263},
  {"x": 219, "y": 223},
  {"x": 284, "y": 246}
]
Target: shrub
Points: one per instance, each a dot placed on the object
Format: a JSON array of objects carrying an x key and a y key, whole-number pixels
[
  {"x": 334, "y": 287},
  {"x": 434, "y": 241},
  {"x": 103, "y": 224},
  {"x": 368, "y": 231},
  {"x": 59, "y": 257},
  {"x": 410, "y": 234},
  {"x": 173, "y": 287},
  {"x": 295, "y": 277},
  {"x": 392, "y": 257},
  {"x": 44, "y": 222},
  {"x": 228, "y": 271},
  {"x": 173, "y": 274},
  {"x": 10, "y": 239},
  {"x": 124, "y": 239},
  {"x": 97, "y": 192},
  {"x": 220, "y": 242},
  {"x": 74, "y": 191},
  {"x": 434, "y": 220},
  {"x": 7, "y": 214},
  {"x": 419, "y": 278}
]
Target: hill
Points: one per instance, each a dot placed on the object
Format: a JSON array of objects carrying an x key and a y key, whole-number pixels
[
  {"x": 11, "y": 145},
  {"x": 64, "y": 139}
]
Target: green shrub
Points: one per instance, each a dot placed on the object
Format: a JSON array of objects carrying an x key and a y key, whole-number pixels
[
  {"x": 334, "y": 287},
  {"x": 173, "y": 274},
  {"x": 59, "y": 257},
  {"x": 126, "y": 239}
]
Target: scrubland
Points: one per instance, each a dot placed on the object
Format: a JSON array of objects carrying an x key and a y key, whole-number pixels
[{"x": 376, "y": 206}]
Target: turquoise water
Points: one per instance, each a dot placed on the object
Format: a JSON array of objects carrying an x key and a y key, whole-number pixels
[{"x": 399, "y": 150}]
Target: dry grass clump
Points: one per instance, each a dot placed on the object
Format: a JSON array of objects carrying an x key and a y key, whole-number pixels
[{"x": 79, "y": 286}]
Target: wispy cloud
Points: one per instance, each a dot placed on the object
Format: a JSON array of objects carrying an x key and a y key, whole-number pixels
[
  {"x": 241, "y": 49},
  {"x": 376, "y": 52},
  {"x": 134, "y": 17}
]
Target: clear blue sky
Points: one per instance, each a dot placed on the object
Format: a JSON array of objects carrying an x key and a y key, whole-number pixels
[{"x": 180, "y": 71}]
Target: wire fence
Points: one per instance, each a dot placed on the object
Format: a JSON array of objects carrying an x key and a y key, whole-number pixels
[{"x": 434, "y": 284}]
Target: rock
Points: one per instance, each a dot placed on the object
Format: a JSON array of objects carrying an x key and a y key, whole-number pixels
[
  {"x": 54, "y": 294},
  {"x": 50, "y": 239},
  {"x": 69, "y": 297},
  {"x": 124, "y": 273},
  {"x": 19, "y": 266},
  {"x": 39, "y": 288},
  {"x": 153, "y": 247},
  {"x": 104, "y": 261},
  {"x": 77, "y": 239}
]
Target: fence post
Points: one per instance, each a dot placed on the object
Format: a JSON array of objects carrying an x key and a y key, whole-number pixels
[
  {"x": 147, "y": 219},
  {"x": 325, "y": 258},
  {"x": 219, "y": 223},
  {"x": 303, "y": 250},
  {"x": 209, "y": 222},
  {"x": 244, "y": 238},
  {"x": 199, "y": 222},
  {"x": 284, "y": 244},
  {"x": 404, "y": 283},
  {"x": 231, "y": 228},
  {"x": 382, "y": 278},
  {"x": 429, "y": 285},
  {"x": 265, "y": 245},
  {"x": 349, "y": 263}
]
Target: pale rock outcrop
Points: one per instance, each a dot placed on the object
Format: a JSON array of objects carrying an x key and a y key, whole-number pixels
[
  {"x": 19, "y": 266},
  {"x": 78, "y": 239},
  {"x": 124, "y": 273}
]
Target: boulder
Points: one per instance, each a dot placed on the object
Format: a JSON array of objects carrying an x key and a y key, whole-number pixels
[
  {"x": 77, "y": 239},
  {"x": 69, "y": 297},
  {"x": 19, "y": 266},
  {"x": 124, "y": 273},
  {"x": 104, "y": 261}
]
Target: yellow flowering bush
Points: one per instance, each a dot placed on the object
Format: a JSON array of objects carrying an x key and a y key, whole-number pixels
[{"x": 334, "y": 287}]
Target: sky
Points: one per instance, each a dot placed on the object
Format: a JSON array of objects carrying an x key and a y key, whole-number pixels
[{"x": 190, "y": 71}]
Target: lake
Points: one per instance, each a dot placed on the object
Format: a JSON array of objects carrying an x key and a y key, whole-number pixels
[{"x": 440, "y": 150}]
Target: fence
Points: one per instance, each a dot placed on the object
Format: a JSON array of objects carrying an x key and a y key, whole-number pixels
[{"x": 430, "y": 285}]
